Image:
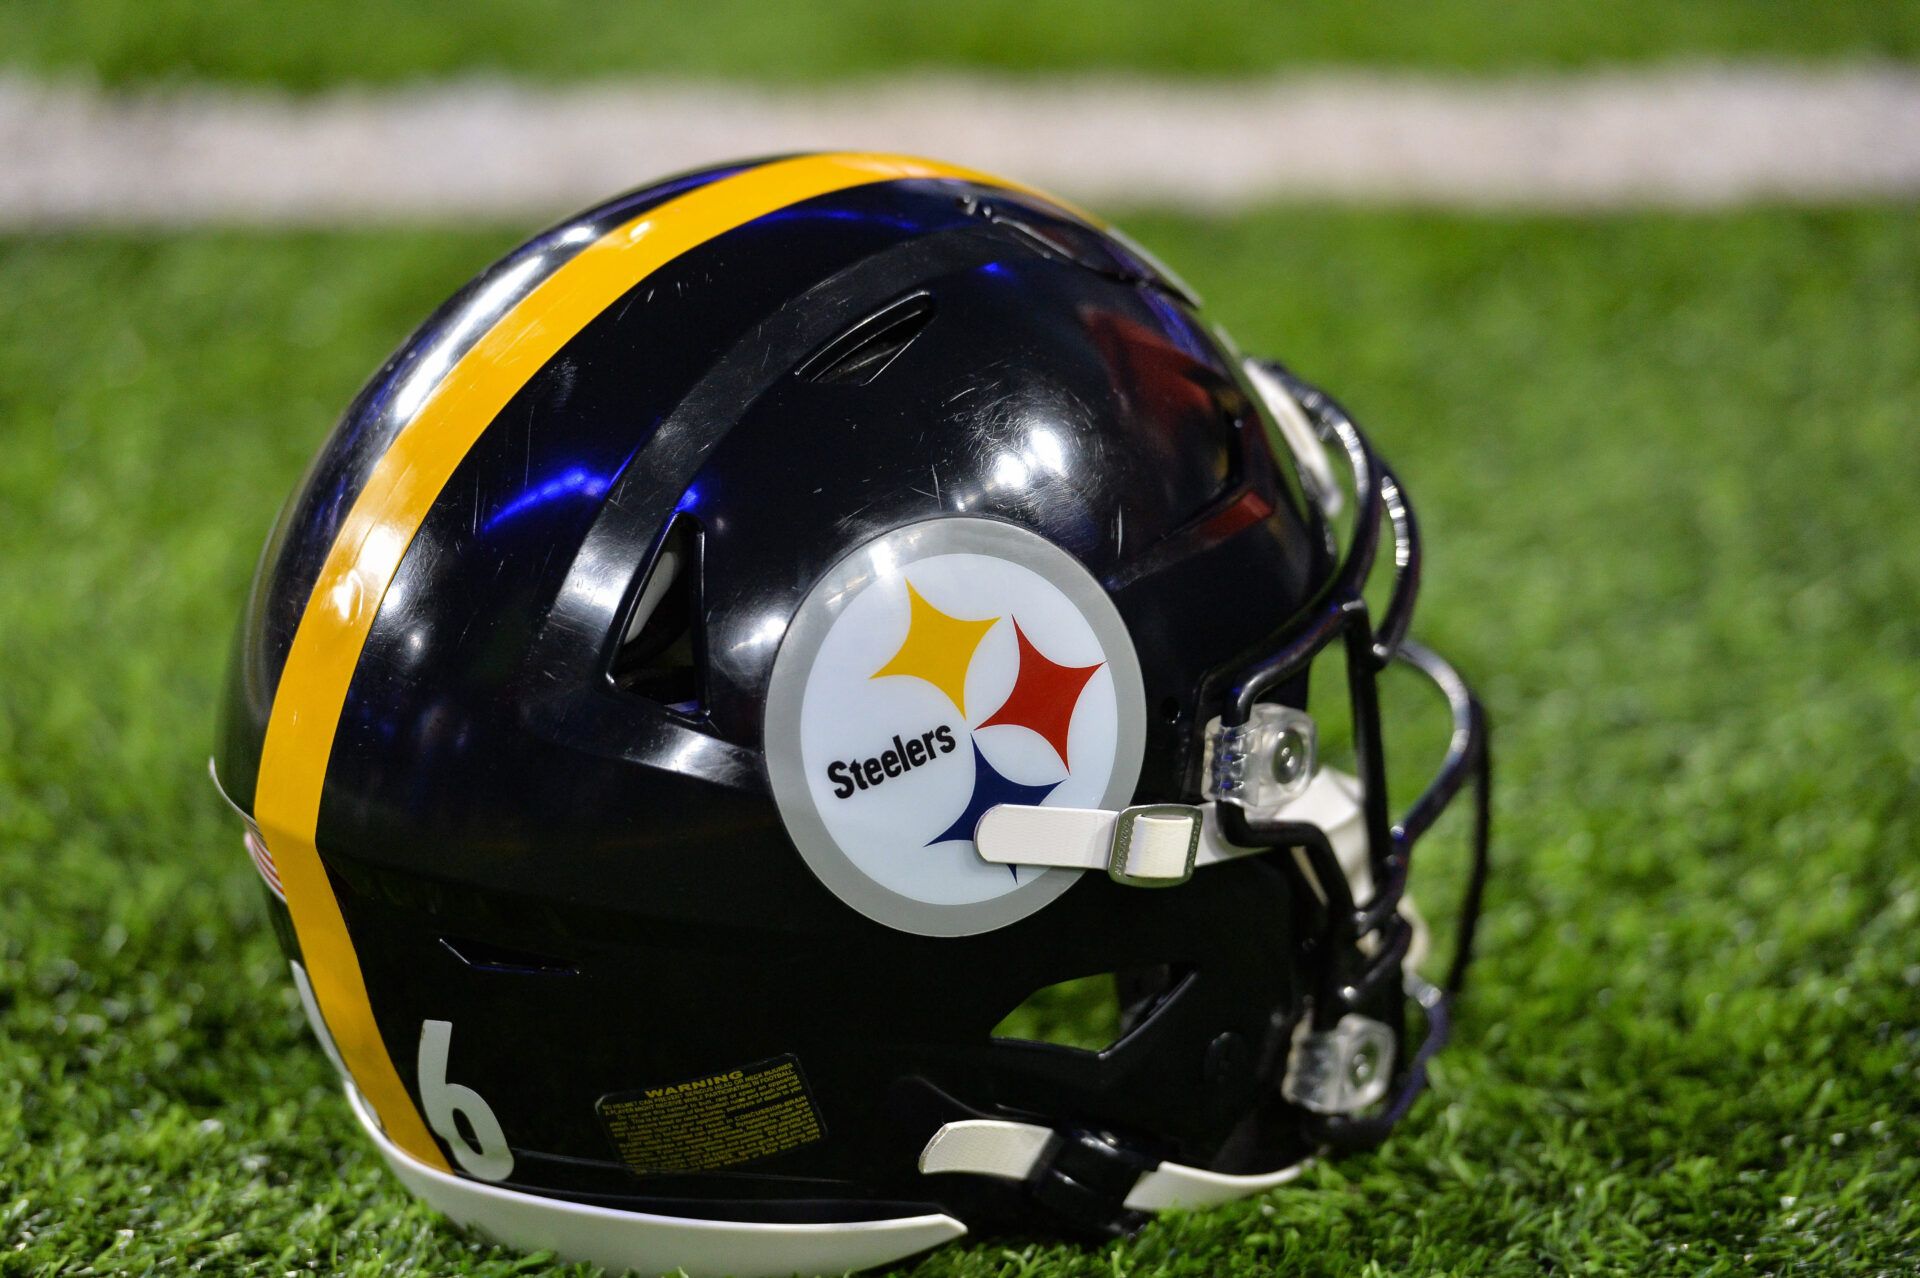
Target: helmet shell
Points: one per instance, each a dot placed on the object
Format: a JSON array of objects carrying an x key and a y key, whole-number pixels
[{"x": 594, "y": 885}]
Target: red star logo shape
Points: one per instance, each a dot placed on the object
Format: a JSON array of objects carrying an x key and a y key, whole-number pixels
[{"x": 1044, "y": 695}]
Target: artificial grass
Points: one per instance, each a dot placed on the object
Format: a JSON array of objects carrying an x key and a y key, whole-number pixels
[
  {"x": 1667, "y": 467},
  {"x": 327, "y": 42}
]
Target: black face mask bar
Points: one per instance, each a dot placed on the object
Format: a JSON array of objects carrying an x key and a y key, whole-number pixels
[{"x": 1370, "y": 938}]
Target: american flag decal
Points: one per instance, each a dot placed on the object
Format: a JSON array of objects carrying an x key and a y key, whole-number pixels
[{"x": 263, "y": 862}]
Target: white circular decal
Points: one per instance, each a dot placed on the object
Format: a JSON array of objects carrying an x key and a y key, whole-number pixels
[{"x": 940, "y": 670}]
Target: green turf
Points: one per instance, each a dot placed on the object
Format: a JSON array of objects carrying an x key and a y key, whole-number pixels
[
  {"x": 336, "y": 41},
  {"x": 1668, "y": 470}
]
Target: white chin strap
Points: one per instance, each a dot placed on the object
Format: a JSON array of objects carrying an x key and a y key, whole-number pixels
[
  {"x": 1160, "y": 845},
  {"x": 1011, "y": 1151}
]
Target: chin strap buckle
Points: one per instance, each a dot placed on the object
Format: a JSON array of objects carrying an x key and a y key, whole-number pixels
[
  {"x": 1155, "y": 845},
  {"x": 1084, "y": 1178},
  {"x": 1340, "y": 1070}
]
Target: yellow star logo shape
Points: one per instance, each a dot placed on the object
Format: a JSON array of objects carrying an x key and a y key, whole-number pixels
[{"x": 938, "y": 648}]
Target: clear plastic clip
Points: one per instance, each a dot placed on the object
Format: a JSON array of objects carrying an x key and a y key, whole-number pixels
[
  {"x": 1341, "y": 1070},
  {"x": 1263, "y": 764}
]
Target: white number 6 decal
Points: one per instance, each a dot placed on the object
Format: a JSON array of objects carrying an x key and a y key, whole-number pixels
[{"x": 486, "y": 1155}]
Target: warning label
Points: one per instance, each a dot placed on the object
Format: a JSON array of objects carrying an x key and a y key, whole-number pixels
[{"x": 734, "y": 1117}]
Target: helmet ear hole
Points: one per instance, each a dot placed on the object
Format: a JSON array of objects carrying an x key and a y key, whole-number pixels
[
  {"x": 1089, "y": 1013},
  {"x": 661, "y": 649},
  {"x": 1084, "y": 1013}
]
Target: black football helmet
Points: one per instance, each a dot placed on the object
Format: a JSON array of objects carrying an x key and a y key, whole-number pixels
[{"x": 759, "y": 633}]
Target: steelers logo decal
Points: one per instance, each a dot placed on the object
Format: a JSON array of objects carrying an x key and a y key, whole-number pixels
[{"x": 942, "y": 669}]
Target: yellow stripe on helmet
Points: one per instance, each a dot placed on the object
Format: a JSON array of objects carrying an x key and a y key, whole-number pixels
[{"x": 372, "y": 540}]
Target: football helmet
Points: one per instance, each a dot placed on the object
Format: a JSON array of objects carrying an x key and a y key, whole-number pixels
[{"x": 762, "y": 631}]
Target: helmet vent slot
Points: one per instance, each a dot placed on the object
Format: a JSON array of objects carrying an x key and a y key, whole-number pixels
[
  {"x": 660, "y": 646},
  {"x": 485, "y": 956},
  {"x": 863, "y": 352}
]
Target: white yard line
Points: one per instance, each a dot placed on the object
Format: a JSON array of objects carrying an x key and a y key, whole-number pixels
[{"x": 1679, "y": 136}]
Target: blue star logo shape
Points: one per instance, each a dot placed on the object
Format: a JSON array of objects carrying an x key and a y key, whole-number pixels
[{"x": 990, "y": 788}]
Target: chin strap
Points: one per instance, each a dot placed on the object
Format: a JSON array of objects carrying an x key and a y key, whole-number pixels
[
  {"x": 1161, "y": 844},
  {"x": 1082, "y": 1174}
]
